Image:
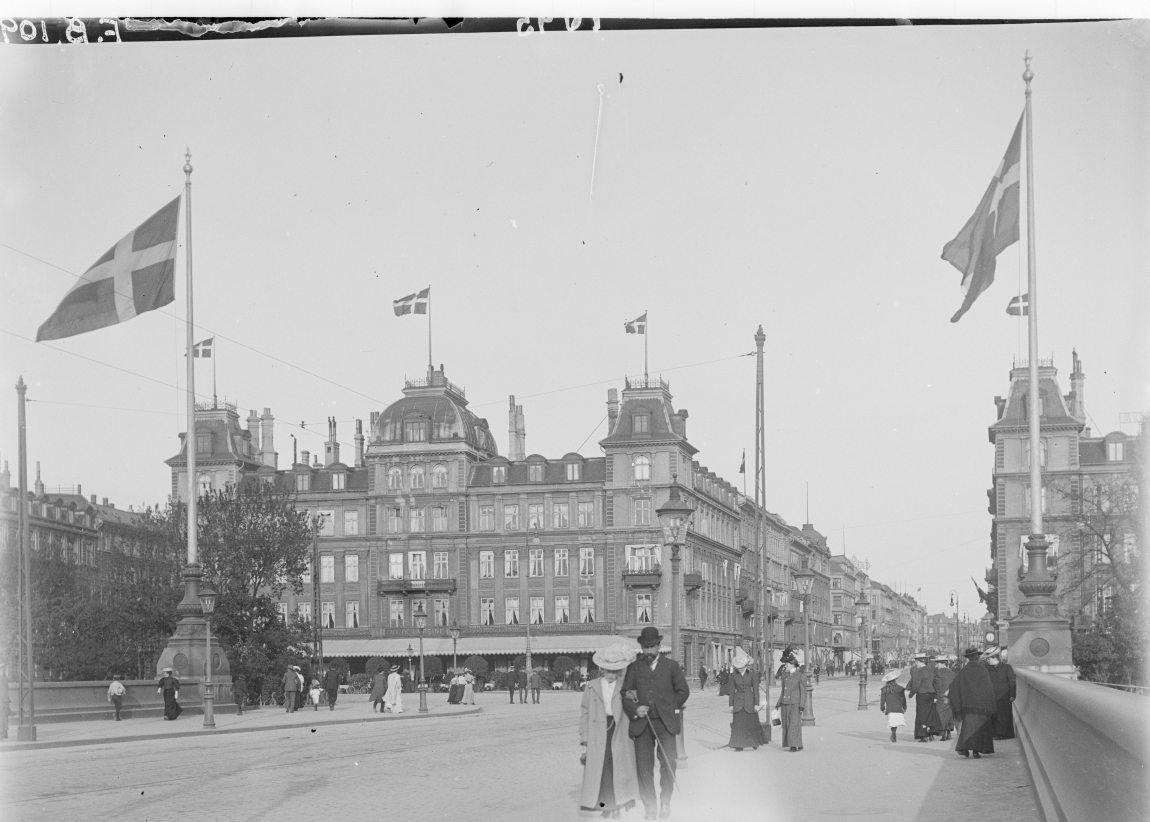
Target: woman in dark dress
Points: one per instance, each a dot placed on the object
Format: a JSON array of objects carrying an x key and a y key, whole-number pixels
[
  {"x": 972, "y": 700},
  {"x": 169, "y": 686},
  {"x": 744, "y": 700},
  {"x": 791, "y": 701},
  {"x": 1005, "y": 689}
]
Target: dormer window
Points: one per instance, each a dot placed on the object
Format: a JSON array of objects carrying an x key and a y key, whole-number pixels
[
  {"x": 303, "y": 482},
  {"x": 641, "y": 423},
  {"x": 574, "y": 471},
  {"x": 499, "y": 473},
  {"x": 414, "y": 430},
  {"x": 204, "y": 443},
  {"x": 1115, "y": 451},
  {"x": 338, "y": 481},
  {"x": 535, "y": 472}
]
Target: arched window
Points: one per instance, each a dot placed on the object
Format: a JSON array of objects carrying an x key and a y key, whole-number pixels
[
  {"x": 439, "y": 476},
  {"x": 418, "y": 478},
  {"x": 394, "y": 479},
  {"x": 642, "y": 467}
]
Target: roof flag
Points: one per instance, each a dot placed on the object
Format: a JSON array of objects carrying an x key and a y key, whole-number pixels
[
  {"x": 991, "y": 228},
  {"x": 135, "y": 275},
  {"x": 203, "y": 348},
  {"x": 412, "y": 303},
  {"x": 1019, "y": 306},
  {"x": 637, "y": 325}
]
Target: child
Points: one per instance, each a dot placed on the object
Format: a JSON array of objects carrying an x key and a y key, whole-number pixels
[
  {"x": 316, "y": 693},
  {"x": 892, "y": 702}
]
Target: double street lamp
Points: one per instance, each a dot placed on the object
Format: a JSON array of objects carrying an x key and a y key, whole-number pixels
[
  {"x": 421, "y": 623},
  {"x": 805, "y": 581},
  {"x": 208, "y": 606}
]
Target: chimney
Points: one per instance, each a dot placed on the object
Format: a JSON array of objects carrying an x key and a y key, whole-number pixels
[
  {"x": 5, "y": 478},
  {"x": 304, "y": 455},
  {"x": 1000, "y": 404},
  {"x": 521, "y": 430},
  {"x": 105, "y": 502},
  {"x": 359, "y": 443},
  {"x": 38, "y": 487},
  {"x": 679, "y": 422},
  {"x": 516, "y": 431},
  {"x": 79, "y": 492},
  {"x": 612, "y": 408},
  {"x": 93, "y": 499},
  {"x": 254, "y": 430},
  {"x": 267, "y": 449},
  {"x": 331, "y": 447},
  {"x": 1077, "y": 388}
]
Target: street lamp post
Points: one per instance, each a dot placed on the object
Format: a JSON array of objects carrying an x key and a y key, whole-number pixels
[
  {"x": 208, "y": 605},
  {"x": 805, "y": 582},
  {"x": 410, "y": 654},
  {"x": 957, "y": 642},
  {"x": 421, "y": 623},
  {"x": 861, "y": 604},
  {"x": 454, "y": 631},
  {"x": 531, "y": 539},
  {"x": 674, "y": 517}
]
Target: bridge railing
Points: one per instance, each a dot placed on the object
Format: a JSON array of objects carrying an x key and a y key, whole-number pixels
[{"x": 1086, "y": 747}]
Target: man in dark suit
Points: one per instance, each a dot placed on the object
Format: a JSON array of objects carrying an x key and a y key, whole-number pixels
[{"x": 654, "y": 693}]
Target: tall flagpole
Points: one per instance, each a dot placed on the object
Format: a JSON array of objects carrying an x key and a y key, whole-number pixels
[
  {"x": 430, "y": 367},
  {"x": 646, "y": 335},
  {"x": 1032, "y": 325},
  {"x": 190, "y": 438},
  {"x": 215, "y": 352}
]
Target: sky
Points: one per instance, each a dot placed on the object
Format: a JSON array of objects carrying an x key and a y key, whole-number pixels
[{"x": 548, "y": 188}]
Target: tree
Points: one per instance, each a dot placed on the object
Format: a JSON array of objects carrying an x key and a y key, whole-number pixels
[
  {"x": 375, "y": 665},
  {"x": 432, "y": 668},
  {"x": 563, "y": 667}
]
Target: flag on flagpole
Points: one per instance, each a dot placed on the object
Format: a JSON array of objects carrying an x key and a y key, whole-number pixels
[
  {"x": 412, "y": 303},
  {"x": 203, "y": 348},
  {"x": 137, "y": 274},
  {"x": 743, "y": 464},
  {"x": 1019, "y": 306},
  {"x": 991, "y": 228},
  {"x": 637, "y": 325}
]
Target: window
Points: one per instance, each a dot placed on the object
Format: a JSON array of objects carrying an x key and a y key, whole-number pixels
[
  {"x": 499, "y": 473},
  {"x": 487, "y": 611},
  {"x": 204, "y": 443},
  {"x": 838, "y": 619},
  {"x": 1041, "y": 452},
  {"x": 511, "y": 610},
  {"x": 417, "y": 477},
  {"x": 534, "y": 515},
  {"x": 586, "y": 560},
  {"x": 414, "y": 430},
  {"x": 303, "y": 482},
  {"x": 439, "y": 568},
  {"x": 326, "y": 568},
  {"x": 351, "y": 567},
  {"x": 641, "y": 468},
  {"x": 327, "y": 614},
  {"x": 511, "y": 563},
  {"x": 394, "y": 479},
  {"x": 560, "y": 517},
  {"x": 338, "y": 481},
  {"x": 562, "y": 609},
  {"x": 535, "y": 563},
  {"x": 417, "y": 520},
  {"x": 205, "y": 483},
  {"x": 417, "y": 564},
  {"x": 587, "y": 609},
  {"x": 536, "y": 615},
  {"x": 395, "y": 566},
  {"x": 439, "y": 519},
  {"x": 440, "y": 610},
  {"x": 641, "y": 423},
  {"x": 303, "y": 611},
  {"x": 393, "y": 521},
  {"x": 535, "y": 472},
  {"x": 351, "y": 615},
  {"x": 327, "y": 523},
  {"x": 574, "y": 471},
  {"x": 351, "y": 523},
  {"x": 642, "y": 559},
  {"x": 486, "y": 564},
  {"x": 1026, "y": 500},
  {"x": 511, "y": 517},
  {"x": 439, "y": 476},
  {"x": 306, "y": 575},
  {"x": 1115, "y": 451},
  {"x": 486, "y": 517},
  {"x": 282, "y": 608},
  {"x": 561, "y": 569},
  {"x": 587, "y": 514},
  {"x": 641, "y": 512},
  {"x": 396, "y": 607},
  {"x": 642, "y": 607},
  {"x": 418, "y": 608}
]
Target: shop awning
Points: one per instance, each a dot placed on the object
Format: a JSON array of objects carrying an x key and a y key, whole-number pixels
[{"x": 582, "y": 644}]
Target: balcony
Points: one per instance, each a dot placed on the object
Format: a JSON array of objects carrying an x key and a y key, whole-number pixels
[
  {"x": 416, "y": 586},
  {"x": 742, "y": 594},
  {"x": 639, "y": 577},
  {"x": 692, "y": 581}
]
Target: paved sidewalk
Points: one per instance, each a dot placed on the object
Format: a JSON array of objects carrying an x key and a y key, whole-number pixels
[{"x": 351, "y": 708}]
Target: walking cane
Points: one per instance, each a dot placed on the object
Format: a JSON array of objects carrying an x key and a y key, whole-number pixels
[{"x": 662, "y": 753}]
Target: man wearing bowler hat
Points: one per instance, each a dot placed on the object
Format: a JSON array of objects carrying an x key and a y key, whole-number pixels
[{"x": 654, "y": 693}]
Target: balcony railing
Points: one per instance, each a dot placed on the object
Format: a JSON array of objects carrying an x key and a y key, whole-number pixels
[
  {"x": 416, "y": 586},
  {"x": 692, "y": 581},
  {"x": 638, "y": 577}
]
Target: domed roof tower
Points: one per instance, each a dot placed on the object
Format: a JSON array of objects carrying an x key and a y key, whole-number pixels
[{"x": 432, "y": 412}]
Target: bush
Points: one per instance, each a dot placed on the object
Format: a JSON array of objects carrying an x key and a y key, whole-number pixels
[
  {"x": 375, "y": 665},
  {"x": 477, "y": 665}
]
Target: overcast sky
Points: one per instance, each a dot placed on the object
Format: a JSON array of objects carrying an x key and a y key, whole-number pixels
[{"x": 804, "y": 179}]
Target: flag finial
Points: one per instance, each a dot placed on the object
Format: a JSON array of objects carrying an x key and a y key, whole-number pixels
[
  {"x": 187, "y": 161},
  {"x": 1027, "y": 75}
]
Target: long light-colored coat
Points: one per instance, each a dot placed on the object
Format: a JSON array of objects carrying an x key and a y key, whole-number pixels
[
  {"x": 393, "y": 699},
  {"x": 593, "y": 730}
]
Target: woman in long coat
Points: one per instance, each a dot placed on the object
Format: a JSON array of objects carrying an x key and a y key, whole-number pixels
[
  {"x": 792, "y": 700},
  {"x": 468, "y": 697},
  {"x": 378, "y": 687},
  {"x": 744, "y": 701},
  {"x": 972, "y": 700},
  {"x": 610, "y": 783},
  {"x": 1005, "y": 689},
  {"x": 169, "y": 686},
  {"x": 393, "y": 698}
]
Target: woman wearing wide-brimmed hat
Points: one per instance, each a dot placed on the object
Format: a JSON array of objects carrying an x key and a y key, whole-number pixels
[
  {"x": 792, "y": 700},
  {"x": 610, "y": 783},
  {"x": 169, "y": 686},
  {"x": 393, "y": 697},
  {"x": 744, "y": 701}
]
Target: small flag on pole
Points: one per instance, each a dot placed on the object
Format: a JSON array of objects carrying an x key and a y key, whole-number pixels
[
  {"x": 637, "y": 325},
  {"x": 135, "y": 275},
  {"x": 1019, "y": 306},
  {"x": 203, "y": 348},
  {"x": 412, "y": 303},
  {"x": 743, "y": 464},
  {"x": 991, "y": 228}
]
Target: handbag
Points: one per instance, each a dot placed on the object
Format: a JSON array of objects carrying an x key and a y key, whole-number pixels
[{"x": 776, "y": 717}]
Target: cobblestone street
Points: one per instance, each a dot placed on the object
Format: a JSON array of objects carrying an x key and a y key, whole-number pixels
[{"x": 507, "y": 762}]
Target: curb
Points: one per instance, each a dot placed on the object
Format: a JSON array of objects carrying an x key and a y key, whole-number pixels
[{"x": 70, "y": 743}]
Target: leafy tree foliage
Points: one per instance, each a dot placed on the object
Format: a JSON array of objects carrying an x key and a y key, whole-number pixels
[{"x": 477, "y": 665}]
